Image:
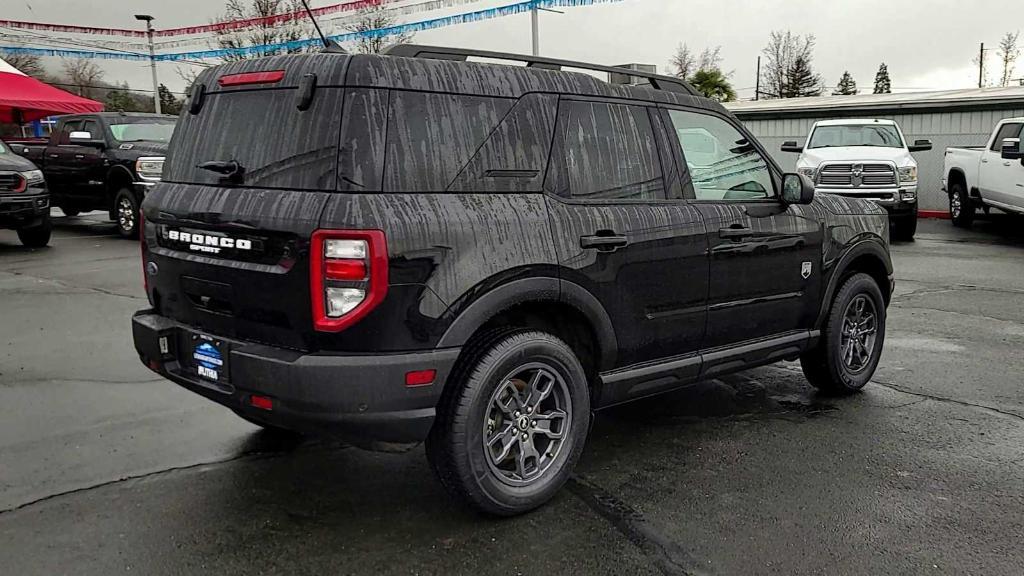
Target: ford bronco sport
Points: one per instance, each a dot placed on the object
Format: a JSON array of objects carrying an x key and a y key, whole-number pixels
[{"x": 415, "y": 246}]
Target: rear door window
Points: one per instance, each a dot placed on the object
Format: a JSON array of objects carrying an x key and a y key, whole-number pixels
[
  {"x": 263, "y": 130},
  {"x": 610, "y": 153}
]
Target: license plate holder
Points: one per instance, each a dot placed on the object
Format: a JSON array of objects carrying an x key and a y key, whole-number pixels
[{"x": 207, "y": 357}]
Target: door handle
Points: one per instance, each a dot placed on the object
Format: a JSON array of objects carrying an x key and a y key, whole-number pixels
[
  {"x": 54, "y": 155},
  {"x": 79, "y": 156},
  {"x": 603, "y": 242},
  {"x": 984, "y": 160},
  {"x": 735, "y": 232},
  {"x": 1007, "y": 163}
]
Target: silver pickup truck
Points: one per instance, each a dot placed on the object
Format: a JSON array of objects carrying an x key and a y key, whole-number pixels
[{"x": 986, "y": 177}]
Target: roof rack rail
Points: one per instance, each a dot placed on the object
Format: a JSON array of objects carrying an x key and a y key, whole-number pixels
[{"x": 657, "y": 81}]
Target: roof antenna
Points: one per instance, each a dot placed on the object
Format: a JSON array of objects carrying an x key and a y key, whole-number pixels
[{"x": 329, "y": 45}]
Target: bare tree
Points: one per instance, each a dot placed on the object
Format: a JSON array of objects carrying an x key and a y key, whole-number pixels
[
  {"x": 84, "y": 75},
  {"x": 30, "y": 64},
  {"x": 683, "y": 63},
  {"x": 1008, "y": 54},
  {"x": 267, "y": 33},
  {"x": 788, "y": 58},
  {"x": 373, "y": 18}
]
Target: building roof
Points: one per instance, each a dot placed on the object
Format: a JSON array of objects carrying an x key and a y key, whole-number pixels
[{"x": 972, "y": 98}]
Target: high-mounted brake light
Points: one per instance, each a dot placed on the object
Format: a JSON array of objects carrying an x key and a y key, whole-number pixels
[
  {"x": 269, "y": 77},
  {"x": 348, "y": 276}
]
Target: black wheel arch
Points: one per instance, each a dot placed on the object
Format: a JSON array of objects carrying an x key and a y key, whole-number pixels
[
  {"x": 869, "y": 256},
  {"x": 533, "y": 295},
  {"x": 955, "y": 175},
  {"x": 118, "y": 177}
]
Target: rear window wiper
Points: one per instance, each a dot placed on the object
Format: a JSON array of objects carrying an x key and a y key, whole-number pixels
[{"x": 229, "y": 170}]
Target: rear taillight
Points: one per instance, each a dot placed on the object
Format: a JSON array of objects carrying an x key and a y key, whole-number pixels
[{"x": 348, "y": 276}]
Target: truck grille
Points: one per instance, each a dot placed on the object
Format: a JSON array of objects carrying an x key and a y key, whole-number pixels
[
  {"x": 10, "y": 181},
  {"x": 857, "y": 175}
]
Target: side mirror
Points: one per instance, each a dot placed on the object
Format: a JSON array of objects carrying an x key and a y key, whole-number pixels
[
  {"x": 82, "y": 138},
  {"x": 1011, "y": 149},
  {"x": 797, "y": 189},
  {"x": 792, "y": 146},
  {"x": 920, "y": 146}
]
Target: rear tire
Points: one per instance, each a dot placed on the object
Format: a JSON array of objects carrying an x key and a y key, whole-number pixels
[
  {"x": 961, "y": 209},
  {"x": 36, "y": 236},
  {"x": 512, "y": 422},
  {"x": 126, "y": 213},
  {"x": 851, "y": 342}
]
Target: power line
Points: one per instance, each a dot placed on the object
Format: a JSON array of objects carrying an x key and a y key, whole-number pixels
[{"x": 111, "y": 88}]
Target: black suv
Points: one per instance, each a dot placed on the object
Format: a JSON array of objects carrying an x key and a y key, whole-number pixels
[{"x": 417, "y": 247}]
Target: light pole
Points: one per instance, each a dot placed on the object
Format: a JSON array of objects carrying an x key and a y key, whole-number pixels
[
  {"x": 152, "y": 58},
  {"x": 535, "y": 22}
]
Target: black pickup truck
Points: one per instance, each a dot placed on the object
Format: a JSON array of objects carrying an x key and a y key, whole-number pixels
[{"x": 103, "y": 161}]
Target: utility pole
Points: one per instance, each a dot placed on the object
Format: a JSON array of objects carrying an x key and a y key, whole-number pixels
[
  {"x": 152, "y": 58},
  {"x": 757, "y": 82},
  {"x": 981, "y": 66},
  {"x": 535, "y": 23}
]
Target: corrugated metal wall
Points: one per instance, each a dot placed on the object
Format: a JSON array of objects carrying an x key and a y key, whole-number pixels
[{"x": 969, "y": 128}]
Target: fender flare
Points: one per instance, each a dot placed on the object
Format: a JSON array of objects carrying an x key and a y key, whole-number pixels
[
  {"x": 538, "y": 289},
  {"x": 949, "y": 185},
  {"x": 871, "y": 247}
]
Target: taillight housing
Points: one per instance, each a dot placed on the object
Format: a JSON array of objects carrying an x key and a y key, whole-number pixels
[{"x": 348, "y": 276}]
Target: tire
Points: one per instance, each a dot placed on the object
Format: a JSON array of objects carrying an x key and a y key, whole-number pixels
[
  {"x": 961, "y": 209},
  {"x": 69, "y": 211},
  {"x": 493, "y": 391},
  {"x": 905, "y": 227},
  {"x": 36, "y": 236},
  {"x": 834, "y": 366},
  {"x": 126, "y": 213}
]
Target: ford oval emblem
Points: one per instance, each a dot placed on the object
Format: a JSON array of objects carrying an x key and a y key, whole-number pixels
[{"x": 152, "y": 269}]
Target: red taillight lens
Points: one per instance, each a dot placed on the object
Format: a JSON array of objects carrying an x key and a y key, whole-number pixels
[
  {"x": 352, "y": 270},
  {"x": 269, "y": 77},
  {"x": 420, "y": 378},
  {"x": 348, "y": 276},
  {"x": 261, "y": 402}
]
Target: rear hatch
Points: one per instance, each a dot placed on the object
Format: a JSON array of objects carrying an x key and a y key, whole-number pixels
[{"x": 227, "y": 249}]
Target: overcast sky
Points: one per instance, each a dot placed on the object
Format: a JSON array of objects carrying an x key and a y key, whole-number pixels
[{"x": 927, "y": 44}]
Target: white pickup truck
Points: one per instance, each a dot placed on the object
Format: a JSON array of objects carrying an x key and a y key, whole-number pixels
[
  {"x": 864, "y": 158},
  {"x": 990, "y": 176}
]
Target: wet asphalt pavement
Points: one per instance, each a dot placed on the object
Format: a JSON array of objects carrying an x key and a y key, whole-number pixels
[{"x": 105, "y": 469}]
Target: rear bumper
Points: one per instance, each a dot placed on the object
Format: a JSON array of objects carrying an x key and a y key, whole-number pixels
[
  {"x": 23, "y": 210},
  {"x": 897, "y": 201},
  {"x": 357, "y": 397}
]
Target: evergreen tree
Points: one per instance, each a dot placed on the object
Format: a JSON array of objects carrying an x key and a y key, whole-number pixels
[
  {"x": 801, "y": 80},
  {"x": 168, "y": 103},
  {"x": 883, "y": 85},
  {"x": 847, "y": 85}
]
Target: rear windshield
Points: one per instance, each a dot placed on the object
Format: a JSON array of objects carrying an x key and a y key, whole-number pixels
[
  {"x": 263, "y": 131},
  {"x": 882, "y": 135},
  {"x": 130, "y": 129}
]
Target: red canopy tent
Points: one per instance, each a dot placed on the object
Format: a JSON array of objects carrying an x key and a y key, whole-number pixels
[{"x": 23, "y": 99}]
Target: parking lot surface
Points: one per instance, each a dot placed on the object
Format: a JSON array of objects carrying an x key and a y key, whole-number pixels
[{"x": 106, "y": 469}]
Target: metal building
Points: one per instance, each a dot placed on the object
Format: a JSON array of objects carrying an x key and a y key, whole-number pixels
[{"x": 947, "y": 118}]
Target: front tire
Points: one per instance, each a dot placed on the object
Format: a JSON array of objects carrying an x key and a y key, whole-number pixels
[
  {"x": 512, "y": 422},
  {"x": 36, "y": 236},
  {"x": 904, "y": 227},
  {"x": 961, "y": 210},
  {"x": 851, "y": 342},
  {"x": 126, "y": 213}
]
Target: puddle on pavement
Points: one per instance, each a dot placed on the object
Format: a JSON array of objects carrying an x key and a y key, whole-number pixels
[
  {"x": 762, "y": 392},
  {"x": 922, "y": 344}
]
